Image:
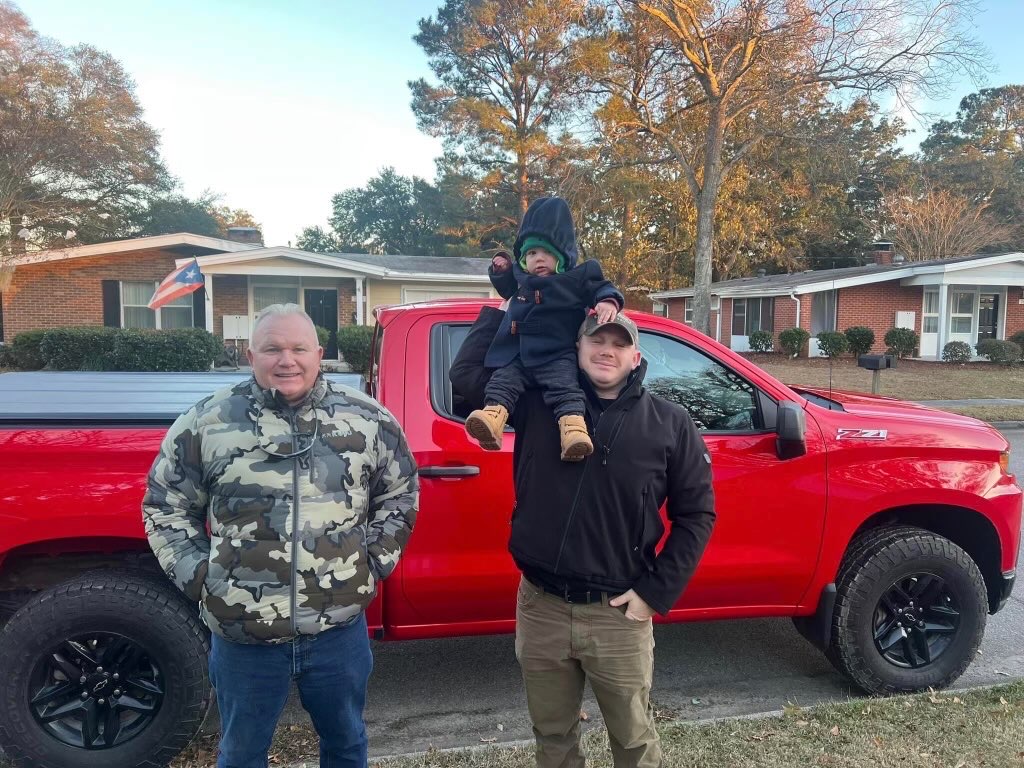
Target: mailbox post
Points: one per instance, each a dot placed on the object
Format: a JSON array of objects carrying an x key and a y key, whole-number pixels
[{"x": 876, "y": 364}]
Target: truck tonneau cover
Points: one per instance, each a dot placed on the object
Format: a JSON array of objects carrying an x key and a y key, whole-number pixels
[{"x": 58, "y": 397}]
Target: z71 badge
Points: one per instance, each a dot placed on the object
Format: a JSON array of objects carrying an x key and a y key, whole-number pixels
[{"x": 862, "y": 434}]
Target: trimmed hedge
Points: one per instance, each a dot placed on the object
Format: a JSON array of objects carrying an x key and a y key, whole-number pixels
[
  {"x": 7, "y": 357},
  {"x": 1018, "y": 339},
  {"x": 180, "y": 349},
  {"x": 86, "y": 348},
  {"x": 26, "y": 350},
  {"x": 1002, "y": 352},
  {"x": 323, "y": 336},
  {"x": 761, "y": 341},
  {"x": 832, "y": 343},
  {"x": 901, "y": 342},
  {"x": 859, "y": 339},
  {"x": 793, "y": 340},
  {"x": 956, "y": 352},
  {"x": 354, "y": 345}
]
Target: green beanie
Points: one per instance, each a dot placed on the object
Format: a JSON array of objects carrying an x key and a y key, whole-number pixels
[{"x": 539, "y": 242}]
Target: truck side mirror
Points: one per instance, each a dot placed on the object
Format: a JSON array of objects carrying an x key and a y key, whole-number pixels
[{"x": 790, "y": 430}]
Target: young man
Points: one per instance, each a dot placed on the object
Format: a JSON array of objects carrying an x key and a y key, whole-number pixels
[
  {"x": 278, "y": 505},
  {"x": 585, "y": 534}
]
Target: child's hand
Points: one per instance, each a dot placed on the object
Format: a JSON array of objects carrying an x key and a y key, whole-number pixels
[
  {"x": 501, "y": 263},
  {"x": 606, "y": 310}
]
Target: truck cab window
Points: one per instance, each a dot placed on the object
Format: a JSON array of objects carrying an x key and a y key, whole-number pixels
[{"x": 718, "y": 399}]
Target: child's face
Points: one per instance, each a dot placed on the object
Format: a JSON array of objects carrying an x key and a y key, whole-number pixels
[{"x": 541, "y": 262}]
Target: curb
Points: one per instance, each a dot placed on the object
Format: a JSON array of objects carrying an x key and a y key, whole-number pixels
[{"x": 1007, "y": 424}]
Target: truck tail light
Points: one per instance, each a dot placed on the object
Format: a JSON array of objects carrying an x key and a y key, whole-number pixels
[{"x": 1004, "y": 462}]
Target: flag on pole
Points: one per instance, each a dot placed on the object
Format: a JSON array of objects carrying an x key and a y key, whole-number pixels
[{"x": 181, "y": 282}]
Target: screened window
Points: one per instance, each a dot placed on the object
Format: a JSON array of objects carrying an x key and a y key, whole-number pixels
[
  {"x": 265, "y": 295},
  {"x": 961, "y": 318},
  {"x": 749, "y": 315},
  {"x": 823, "y": 312},
  {"x": 930, "y": 317},
  {"x": 688, "y": 311},
  {"x": 135, "y": 314}
]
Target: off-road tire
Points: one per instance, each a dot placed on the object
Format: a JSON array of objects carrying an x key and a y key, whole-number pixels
[
  {"x": 876, "y": 562},
  {"x": 144, "y": 608}
]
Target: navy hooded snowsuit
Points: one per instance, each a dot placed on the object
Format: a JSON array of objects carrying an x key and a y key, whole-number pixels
[{"x": 536, "y": 343}]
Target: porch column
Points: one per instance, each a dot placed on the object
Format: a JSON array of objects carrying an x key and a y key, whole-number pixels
[
  {"x": 943, "y": 320},
  {"x": 360, "y": 315},
  {"x": 208, "y": 288}
]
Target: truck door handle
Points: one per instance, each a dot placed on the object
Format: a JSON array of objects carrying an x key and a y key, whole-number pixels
[{"x": 464, "y": 471}]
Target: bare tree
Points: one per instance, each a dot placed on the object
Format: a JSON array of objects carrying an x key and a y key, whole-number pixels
[
  {"x": 939, "y": 224},
  {"x": 743, "y": 68}
]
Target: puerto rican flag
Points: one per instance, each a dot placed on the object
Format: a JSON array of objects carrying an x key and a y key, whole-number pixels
[{"x": 182, "y": 281}]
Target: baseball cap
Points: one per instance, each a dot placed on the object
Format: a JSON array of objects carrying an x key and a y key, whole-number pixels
[{"x": 591, "y": 326}]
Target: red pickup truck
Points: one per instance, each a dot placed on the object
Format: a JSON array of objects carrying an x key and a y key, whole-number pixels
[{"x": 886, "y": 530}]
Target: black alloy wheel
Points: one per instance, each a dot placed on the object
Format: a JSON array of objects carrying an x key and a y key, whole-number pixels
[
  {"x": 96, "y": 691},
  {"x": 910, "y": 611},
  {"x": 916, "y": 621},
  {"x": 108, "y": 670}
]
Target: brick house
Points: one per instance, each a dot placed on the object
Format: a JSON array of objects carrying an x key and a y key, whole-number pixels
[
  {"x": 961, "y": 299},
  {"x": 111, "y": 283}
]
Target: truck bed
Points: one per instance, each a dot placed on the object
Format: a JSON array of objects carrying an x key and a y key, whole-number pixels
[{"x": 51, "y": 397}]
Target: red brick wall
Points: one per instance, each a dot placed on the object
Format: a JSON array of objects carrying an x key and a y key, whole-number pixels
[
  {"x": 726, "y": 305},
  {"x": 1014, "y": 311},
  {"x": 346, "y": 302},
  {"x": 875, "y": 307},
  {"x": 70, "y": 292}
]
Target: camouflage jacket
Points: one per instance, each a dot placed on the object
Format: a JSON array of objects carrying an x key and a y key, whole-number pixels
[{"x": 272, "y": 544}]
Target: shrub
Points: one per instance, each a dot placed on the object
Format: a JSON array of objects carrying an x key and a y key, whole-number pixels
[
  {"x": 901, "y": 342},
  {"x": 180, "y": 349},
  {"x": 860, "y": 340},
  {"x": 956, "y": 352},
  {"x": 354, "y": 345},
  {"x": 761, "y": 341},
  {"x": 1018, "y": 339},
  {"x": 6, "y": 356},
  {"x": 323, "y": 336},
  {"x": 1002, "y": 352},
  {"x": 78, "y": 349},
  {"x": 793, "y": 340},
  {"x": 25, "y": 349},
  {"x": 832, "y": 343}
]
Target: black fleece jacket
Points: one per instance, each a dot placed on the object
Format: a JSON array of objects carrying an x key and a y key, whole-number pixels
[{"x": 595, "y": 524}]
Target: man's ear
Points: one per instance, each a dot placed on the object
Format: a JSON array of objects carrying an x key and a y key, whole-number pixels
[{"x": 636, "y": 359}]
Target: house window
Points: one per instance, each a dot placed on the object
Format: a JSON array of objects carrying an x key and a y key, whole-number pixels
[
  {"x": 823, "y": 312},
  {"x": 135, "y": 314},
  {"x": 265, "y": 295},
  {"x": 688, "y": 311},
  {"x": 659, "y": 309},
  {"x": 961, "y": 319},
  {"x": 749, "y": 315},
  {"x": 930, "y": 316}
]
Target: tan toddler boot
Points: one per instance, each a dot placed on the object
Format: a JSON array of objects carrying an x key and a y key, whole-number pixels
[
  {"x": 576, "y": 444},
  {"x": 486, "y": 425}
]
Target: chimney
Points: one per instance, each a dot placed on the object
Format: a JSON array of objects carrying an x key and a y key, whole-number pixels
[
  {"x": 245, "y": 235},
  {"x": 883, "y": 253}
]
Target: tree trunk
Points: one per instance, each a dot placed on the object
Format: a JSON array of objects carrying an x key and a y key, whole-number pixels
[
  {"x": 707, "y": 202},
  {"x": 522, "y": 181}
]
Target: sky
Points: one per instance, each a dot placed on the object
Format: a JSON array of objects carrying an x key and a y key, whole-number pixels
[{"x": 277, "y": 105}]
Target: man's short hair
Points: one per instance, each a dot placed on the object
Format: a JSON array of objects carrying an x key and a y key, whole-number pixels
[{"x": 279, "y": 310}]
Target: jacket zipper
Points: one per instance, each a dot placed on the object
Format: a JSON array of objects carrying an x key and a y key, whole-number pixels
[
  {"x": 294, "y": 599},
  {"x": 579, "y": 487},
  {"x": 643, "y": 521}
]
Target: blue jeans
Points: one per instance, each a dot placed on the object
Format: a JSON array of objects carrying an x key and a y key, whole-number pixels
[{"x": 251, "y": 681}]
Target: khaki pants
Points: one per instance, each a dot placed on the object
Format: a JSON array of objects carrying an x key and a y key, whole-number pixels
[{"x": 560, "y": 646}]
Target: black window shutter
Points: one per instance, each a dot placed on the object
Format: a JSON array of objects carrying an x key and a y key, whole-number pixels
[
  {"x": 199, "y": 308},
  {"x": 112, "y": 303}
]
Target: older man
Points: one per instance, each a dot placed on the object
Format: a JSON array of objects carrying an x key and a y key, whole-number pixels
[
  {"x": 279, "y": 504},
  {"x": 585, "y": 537}
]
